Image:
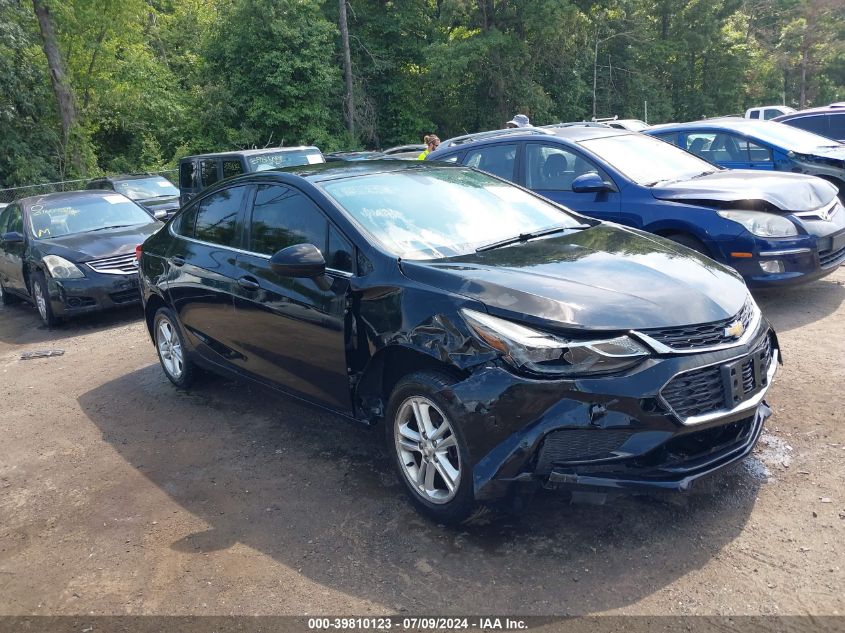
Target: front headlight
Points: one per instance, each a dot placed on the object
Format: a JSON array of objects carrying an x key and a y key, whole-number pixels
[
  {"x": 545, "y": 353},
  {"x": 60, "y": 268},
  {"x": 762, "y": 224}
]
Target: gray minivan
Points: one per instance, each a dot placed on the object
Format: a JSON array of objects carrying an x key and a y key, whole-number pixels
[{"x": 202, "y": 170}]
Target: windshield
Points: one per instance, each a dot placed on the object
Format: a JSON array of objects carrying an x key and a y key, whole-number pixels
[
  {"x": 144, "y": 188},
  {"x": 647, "y": 160},
  {"x": 57, "y": 218},
  {"x": 287, "y": 158},
  {"x": 442, "y": 212},
  {"x": 788, "y": 137}
]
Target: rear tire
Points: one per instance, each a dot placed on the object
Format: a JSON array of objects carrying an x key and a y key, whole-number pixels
[
  {"x": 41, "y": 297},
  {"x": 429, "y": 450},
  {"x": 171, "y": 349}
]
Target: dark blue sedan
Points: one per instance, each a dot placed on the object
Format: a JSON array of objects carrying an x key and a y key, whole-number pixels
[
  {"x": 747, "y": 144},
  {"x": 774, "y": 228}
]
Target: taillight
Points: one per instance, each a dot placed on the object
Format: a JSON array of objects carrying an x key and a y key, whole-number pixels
[{"x": 138, "y": 252}]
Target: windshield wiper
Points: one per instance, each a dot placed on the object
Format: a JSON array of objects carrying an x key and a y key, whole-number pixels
[
  {"x": 103, "y": 228},
  {"x": 669, "y": 181},
  {"x": 524, "y": 237}
]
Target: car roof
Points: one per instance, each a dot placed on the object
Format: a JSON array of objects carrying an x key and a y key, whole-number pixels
[
  {"x": 737, "y": 124},
  {"x": 251, "y": 152},
  {"x": 321, "y": 172},
  {"x": 126, "y": 177},
  {"x": 68, "y": 196},
  {"x": 833, "y": 108},
  {"x": 569, "y": 133}
]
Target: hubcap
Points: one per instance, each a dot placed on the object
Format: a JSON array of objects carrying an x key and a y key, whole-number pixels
[
  {"x": 427, "y": 449},
  {"x": 169, "y": 349},
  {"x": 41, "y": 301}
]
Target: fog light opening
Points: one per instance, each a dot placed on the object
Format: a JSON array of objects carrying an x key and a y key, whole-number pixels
[{"x": 772, "y": 266}]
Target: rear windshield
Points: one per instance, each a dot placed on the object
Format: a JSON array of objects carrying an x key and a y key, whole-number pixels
[
  {"x": 146, "y": 188},
  {"x": 57, "y": 218},
  {"x": 442, "y": 211},
  {"x": 287, "y": 158}
]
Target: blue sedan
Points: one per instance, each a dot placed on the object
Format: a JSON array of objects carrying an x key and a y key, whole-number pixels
[
  {"x": 747, "y": 144},
  {"x": 774, "y": 228}
]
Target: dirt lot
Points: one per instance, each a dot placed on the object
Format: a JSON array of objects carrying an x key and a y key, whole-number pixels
[{"x": 121, "y": 495}]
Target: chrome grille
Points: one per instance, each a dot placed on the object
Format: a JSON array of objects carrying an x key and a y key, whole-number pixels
[
  {"x": 704, "y": 334},
  {"x": 116, "y": 265}
]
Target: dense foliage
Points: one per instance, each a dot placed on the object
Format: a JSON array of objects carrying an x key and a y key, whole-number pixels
[{"x": 155, "y": 79}]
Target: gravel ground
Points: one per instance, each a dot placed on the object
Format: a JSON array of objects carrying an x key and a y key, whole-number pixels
[{"x": 121, "y": 495}]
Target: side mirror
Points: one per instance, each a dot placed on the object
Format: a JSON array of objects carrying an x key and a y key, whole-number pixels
[
  {"x": 590, "y": 183},
  {"x": 12, "y": 237},
  {"x": 300, "y": 260},
  {"x": 160, "y": 215}
]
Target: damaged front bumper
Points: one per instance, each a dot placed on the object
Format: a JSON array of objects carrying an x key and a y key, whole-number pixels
[{"x": 661, "y": 426}]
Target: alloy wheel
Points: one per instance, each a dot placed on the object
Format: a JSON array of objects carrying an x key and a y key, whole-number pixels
[
  {"x": 428, "y": 450},
  {"x": 169, "y": 348},
  {"x": 40, "y": 301}
]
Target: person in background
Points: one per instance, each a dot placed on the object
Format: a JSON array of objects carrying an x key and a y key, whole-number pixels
[
  {"x": 431, "y": 142},
  {"x": 520, "y": 120}
]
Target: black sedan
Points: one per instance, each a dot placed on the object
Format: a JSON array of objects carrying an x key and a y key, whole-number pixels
[
  {"x": 503, "y": 342},
  {"x": 72, "y": 253}
]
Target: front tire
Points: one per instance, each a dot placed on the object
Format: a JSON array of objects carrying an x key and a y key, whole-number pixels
[
  {"x": 428, "y": 448},
  {"x": 41, "y": 297},
  {"x": 171, "y": 349}
]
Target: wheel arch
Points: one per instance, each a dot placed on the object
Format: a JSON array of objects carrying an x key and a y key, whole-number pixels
[
  {"x": 153, "y": 304},
  {"x": 386, "y": 368}
]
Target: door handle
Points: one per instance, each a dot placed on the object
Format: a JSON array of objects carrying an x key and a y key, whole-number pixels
[
  {"x": 249, "y": 283},
  {"x": 177, "y": 260}
]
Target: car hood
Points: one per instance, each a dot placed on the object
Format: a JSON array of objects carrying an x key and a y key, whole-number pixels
[
  {"x": 83, "y": 247},
  {"x": 605, "y": 277},
  {"x": 785, "y": 191}
]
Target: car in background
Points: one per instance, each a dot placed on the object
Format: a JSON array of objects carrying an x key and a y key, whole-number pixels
[
  {"x": 775, "y": 229},
  {"x": 203, "y": 170},
  {"x": 765, "y": 145},
  {"x": 153, "y": 192},
  {"x": 553, "y": 126},
  {"x": 827, "y": 121},
  {"x": 72, "y": 253},
  {"x": 632, "y": 125},
  {"x": 498, "y": 342},
  {"x": 766, "y": 113},
  {"x": 353, "y": 156},
  {"x": 407, "y": 152}
]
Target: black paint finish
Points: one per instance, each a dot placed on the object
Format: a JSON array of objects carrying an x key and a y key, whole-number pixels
[{"x": 341, "y": 340}]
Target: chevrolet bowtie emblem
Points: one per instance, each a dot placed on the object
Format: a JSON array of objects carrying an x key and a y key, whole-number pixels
[{"x": 734, "y": 330}]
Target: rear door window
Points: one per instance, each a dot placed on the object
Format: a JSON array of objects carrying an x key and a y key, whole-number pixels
[
  {"x": 499, "y": 160},
  {"x": 217, "y": 217},
  {"x": 208, "y": 169}
]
